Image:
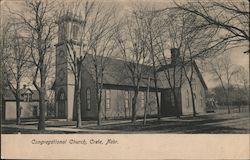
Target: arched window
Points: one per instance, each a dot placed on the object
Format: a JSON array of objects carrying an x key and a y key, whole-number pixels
[
  {"x": 108, "y": 99},
  {"x": 172, "y": 99},
  {"x": 61, "y": 75},
  {"x": 63, "y": 31},
  {"x": 75, "y": 29},
  {"x": 126, "y": 99},
  {"x": 61, "y": 53},
  {"x": 142, "y": 99},
  {"x": 187, "y": 98},
  {"x": 194, "y": 84},
  {"x": 61, "y": 95},
  {"x": 201, "y": 98},
  {"x": 194, "y": 100},
  {"x": 88, "y": 99}
]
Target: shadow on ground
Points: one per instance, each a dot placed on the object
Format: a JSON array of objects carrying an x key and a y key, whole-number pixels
[{"x": 211, "y": 123}]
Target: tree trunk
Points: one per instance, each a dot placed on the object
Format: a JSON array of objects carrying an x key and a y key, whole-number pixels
[
  {"x": 18, "y": 108},
  {"x": 228, "y": 106},
  {"x": 2, "y": 112},
  {"x": 41, "y": 123},
  {"x": 78, "y": 105},
  {"x": 78, "y": 93},
  {"x": 99, "y": 113},
  {"x": 145, "y": 112},
  {"x": 157, "y": 99},
  {"x": 147, "y": 100},
  {"x": 158, "y": 106},
  {"x": 192, "y": 95},
  {"x": 99, "y": 100},
  {"x": 177, "y": 112},
  {"x": 227, "y": 93},
  {"x": 134, "y": 100},
  {"x": 18, "y": 111},
  {"x": 75, "y": 105}
]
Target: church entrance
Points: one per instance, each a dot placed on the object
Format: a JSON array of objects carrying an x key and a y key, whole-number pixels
[{"x": 61, "y": 104}]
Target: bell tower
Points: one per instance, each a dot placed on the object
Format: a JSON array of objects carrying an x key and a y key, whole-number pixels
[{"x": 68, "y": 33}]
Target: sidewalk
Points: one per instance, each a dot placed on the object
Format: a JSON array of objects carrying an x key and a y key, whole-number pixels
[
  {"x": 65, "y": 126},
  {"x": 69, "y": 129}
]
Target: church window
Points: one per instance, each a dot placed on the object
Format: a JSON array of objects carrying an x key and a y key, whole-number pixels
[
  {"x": 62, "y": 96},
  {"x": 194, "y": 84},
  {"x": 75, "y": 32},
  {"x": 88, "y": 99},
  {"x": 126, "y": 99},
  {"x": 201, "y": 98},
  {"x": 61, "y": 74},
  {"x": 172, "y": 99},
  {"x": 108, "y": 99},
  {"x": 61, "y": 53},
  {"x": 142, "y": 99},
  {"x": 63, "y": 31},
  {"x": 187, "y": 98}
]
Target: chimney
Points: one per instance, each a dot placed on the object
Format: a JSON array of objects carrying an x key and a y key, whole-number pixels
[
  {"x": 175, "y": 55},
  {"x": 24, "y": 86}
]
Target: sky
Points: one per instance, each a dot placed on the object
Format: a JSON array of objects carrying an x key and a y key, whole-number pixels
[
  {"x": 236, "y": 54},
  {"x": 238, "y": 57}
]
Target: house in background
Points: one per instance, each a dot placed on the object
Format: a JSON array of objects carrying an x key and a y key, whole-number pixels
[
  {"x": 29, "y": 104},
  {"x": 118, "y": 87}
]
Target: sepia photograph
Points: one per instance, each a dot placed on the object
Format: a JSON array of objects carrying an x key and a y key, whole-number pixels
[{"x": 129, "y": 68}]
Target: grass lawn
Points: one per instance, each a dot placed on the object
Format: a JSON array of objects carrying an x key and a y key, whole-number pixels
[
  {"x": 215, "y": 123},
  {"x": 209, "y": 123}
]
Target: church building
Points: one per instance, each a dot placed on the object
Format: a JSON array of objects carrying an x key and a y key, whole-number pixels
[{"x": 117, "y": 85}]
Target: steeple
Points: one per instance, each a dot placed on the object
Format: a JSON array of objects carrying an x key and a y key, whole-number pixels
[{"x": 69, "y": 27}]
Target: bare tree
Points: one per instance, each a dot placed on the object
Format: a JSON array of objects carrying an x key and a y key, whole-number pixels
[
  {"x": 172, "y": 37},
  {"x": 4, "y": 45},
  {"x": 94, "y": 39},
  {"x": 38, "y": 22},
  {"x": 101, "y": 46},
  {"x": 230, "y": 16},
  {"x": 16, "y": 65},
  {"x": 154, "y": 27},
  {"x": 241, "y": 82},
  {"x": 191, "y": 43},
  {"x": 76, "y": 45},
  {"x": 197, "y": 45},
  {"x": 130, "y": 40},
  {"x": 223, "y": 70}
]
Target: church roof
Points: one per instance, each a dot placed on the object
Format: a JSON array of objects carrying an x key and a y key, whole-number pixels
[
  {"x": 178, "y": 73},
  {"x": 116, "y": 72}
]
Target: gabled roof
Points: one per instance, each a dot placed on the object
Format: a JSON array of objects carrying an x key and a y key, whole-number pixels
[
  {"x": 116, "y": 72},
  {"x": 200, "y": 75},
  {"x": 8, "y": 94},
  {"x": 170, "y": 68}
]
